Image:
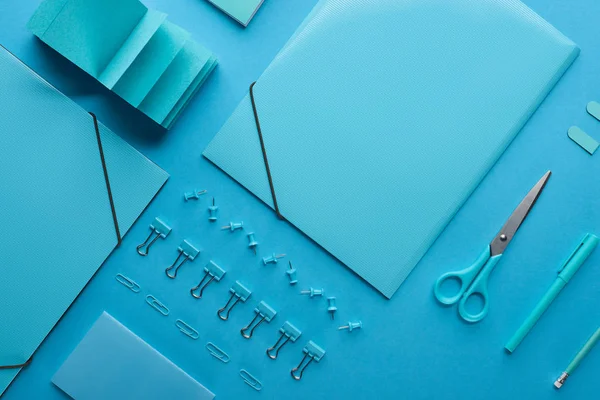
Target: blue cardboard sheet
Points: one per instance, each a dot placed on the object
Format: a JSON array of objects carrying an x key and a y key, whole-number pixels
[
  {"x": 379, "y": 122},
  {"x": 111, "y": 362},
  {"x": 55, "y": 214}
]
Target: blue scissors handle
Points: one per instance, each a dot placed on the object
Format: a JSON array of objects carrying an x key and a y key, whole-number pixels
[{"x": 473, "y": 282}]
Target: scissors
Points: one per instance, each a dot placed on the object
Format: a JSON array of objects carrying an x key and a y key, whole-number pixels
[{"x": 474, "y": 279}]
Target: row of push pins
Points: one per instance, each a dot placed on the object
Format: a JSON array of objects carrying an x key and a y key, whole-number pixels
[
  {"x": 234, "y": 226},
  {"x": 331, "y": 301}
]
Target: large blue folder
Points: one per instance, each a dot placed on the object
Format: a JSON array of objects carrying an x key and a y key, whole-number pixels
[
  {"x": 380, "y": 118},
  {"x": 56, "y": 221}
]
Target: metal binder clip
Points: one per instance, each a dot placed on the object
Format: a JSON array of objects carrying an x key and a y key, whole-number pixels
[
  {"x": 273, "y": 259},
  {"x": 211, "y": 270},
  {"x": 262, "y": 311},
  {"x": 233, "y": 226},
  {"x": 240, "y": 293},
  {"x": 313, "y": 352},
  {"x": 290, "y": 333},
  {"x": 186, "y": 250},
  {"x": 195, "y": 195},
  {"x": 159, "y": 230},
  {"x": 252, "y": 243},
  {"x": 212, "y": 211}
]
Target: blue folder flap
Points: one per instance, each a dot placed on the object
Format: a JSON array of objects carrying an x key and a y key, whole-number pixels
[
  {"x": 55, "y": 216},
  {"x": 379, "y": 122},
  {"x": 111, "y": 362}
]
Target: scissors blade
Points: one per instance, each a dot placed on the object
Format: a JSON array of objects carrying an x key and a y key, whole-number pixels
[{"x": 513, "y": 224}]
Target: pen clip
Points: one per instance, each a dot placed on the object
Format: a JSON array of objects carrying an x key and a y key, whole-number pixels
[{"x": 585, "y": 238}]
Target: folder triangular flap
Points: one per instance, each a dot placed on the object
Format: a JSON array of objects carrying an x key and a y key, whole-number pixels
[
  {"x": 55, "y": 214},
  {"x": 372, "y": 159}
]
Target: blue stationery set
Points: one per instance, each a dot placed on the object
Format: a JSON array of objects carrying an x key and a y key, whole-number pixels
[{"x": 367, "y": 132}]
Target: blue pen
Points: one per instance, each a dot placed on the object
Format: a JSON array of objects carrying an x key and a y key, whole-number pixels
[{"x": 568, "y": 270}]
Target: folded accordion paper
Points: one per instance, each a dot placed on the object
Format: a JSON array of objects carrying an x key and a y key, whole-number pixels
[
  {"x": 380, "y": 118},
  {"x": 111, "y": 362},
  {"x": 150, "y": 62},
  {"x": 59, "y": 220}
]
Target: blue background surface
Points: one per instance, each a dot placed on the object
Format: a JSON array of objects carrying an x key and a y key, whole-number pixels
[{"x": 410, "y": 346}]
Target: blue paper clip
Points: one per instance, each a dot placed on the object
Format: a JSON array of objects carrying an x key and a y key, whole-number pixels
[
  {"x": 128, "y": 283},
  {"x": 186, "y": 329},
  {"x": 312, "y": 352},
  {"x": 159, "y": 230},
  {"x": 262, "y": 311},
  {"x": 290, "y": 333},
  {"x": 250, "y": 380},
  {"x": 157, "y": 305},
  {"x": 211, "y": 270},
  {"x": 217, "y": 353},
  {"x": 186, "y": 250},
  {"x": 240, "y": 293}
]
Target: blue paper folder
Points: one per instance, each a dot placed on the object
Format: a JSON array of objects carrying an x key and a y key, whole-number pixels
[
  {"x": 111, "y": 362},
  {"x": 56, "y": 223},
  {"x": 380, "y": 118}
]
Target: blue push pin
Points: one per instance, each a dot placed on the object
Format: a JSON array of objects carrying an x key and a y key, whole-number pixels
[
  {"x": 273, "y": 259},
  {"x": 233, "y": 226},
  {"x": 195, "y": 195},
  {"x": 252, "y": 242},
  {"x": 351, "y": 326},
  {"x": 331, "y": 308},
  {"x": 313, "y": 292},
  {"x": 291, "y": 273},
  {"x": 212, "y": 211}
]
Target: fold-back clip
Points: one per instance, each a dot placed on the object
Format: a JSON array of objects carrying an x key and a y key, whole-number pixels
[
  {"x": 159, "y": 230},
  {"x": 312, "y": 352},
  {"x": 211, "y": 270},
  {"x": 290, "y": 333},
  {"x": 240, "y": 293},
  {"x": 17, "y": 366},
  {"x": 186, "y": 250},
  {"x": 262, "y": 311}
]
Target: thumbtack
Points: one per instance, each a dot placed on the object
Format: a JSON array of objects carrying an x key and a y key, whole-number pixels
[
  {"x": 212, "y": 211},
  {"x": 313, "y": 292},
  {"x": 351, "y": 326},
  {"x": 273, "y": 259},
  {"x": 331, "y": 308},
  {"x": 291, "y": 273},
  {"x": 252, "y": 242},
  {"x": 195, "y": 195},
  {"x": 233, "y": 226}
]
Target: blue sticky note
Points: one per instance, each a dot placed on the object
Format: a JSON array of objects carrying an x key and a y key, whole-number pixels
[
  {"x": 379, "y": 122},
  {"x": 111, "y": 362},
  {"x": 130, "y": 49}
]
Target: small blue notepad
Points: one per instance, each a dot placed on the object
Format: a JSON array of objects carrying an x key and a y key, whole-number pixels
[
  {"x": 150, "y": 62},
  {"x": 241, "y": 10},
  {"x": 111, "y": 362}
]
